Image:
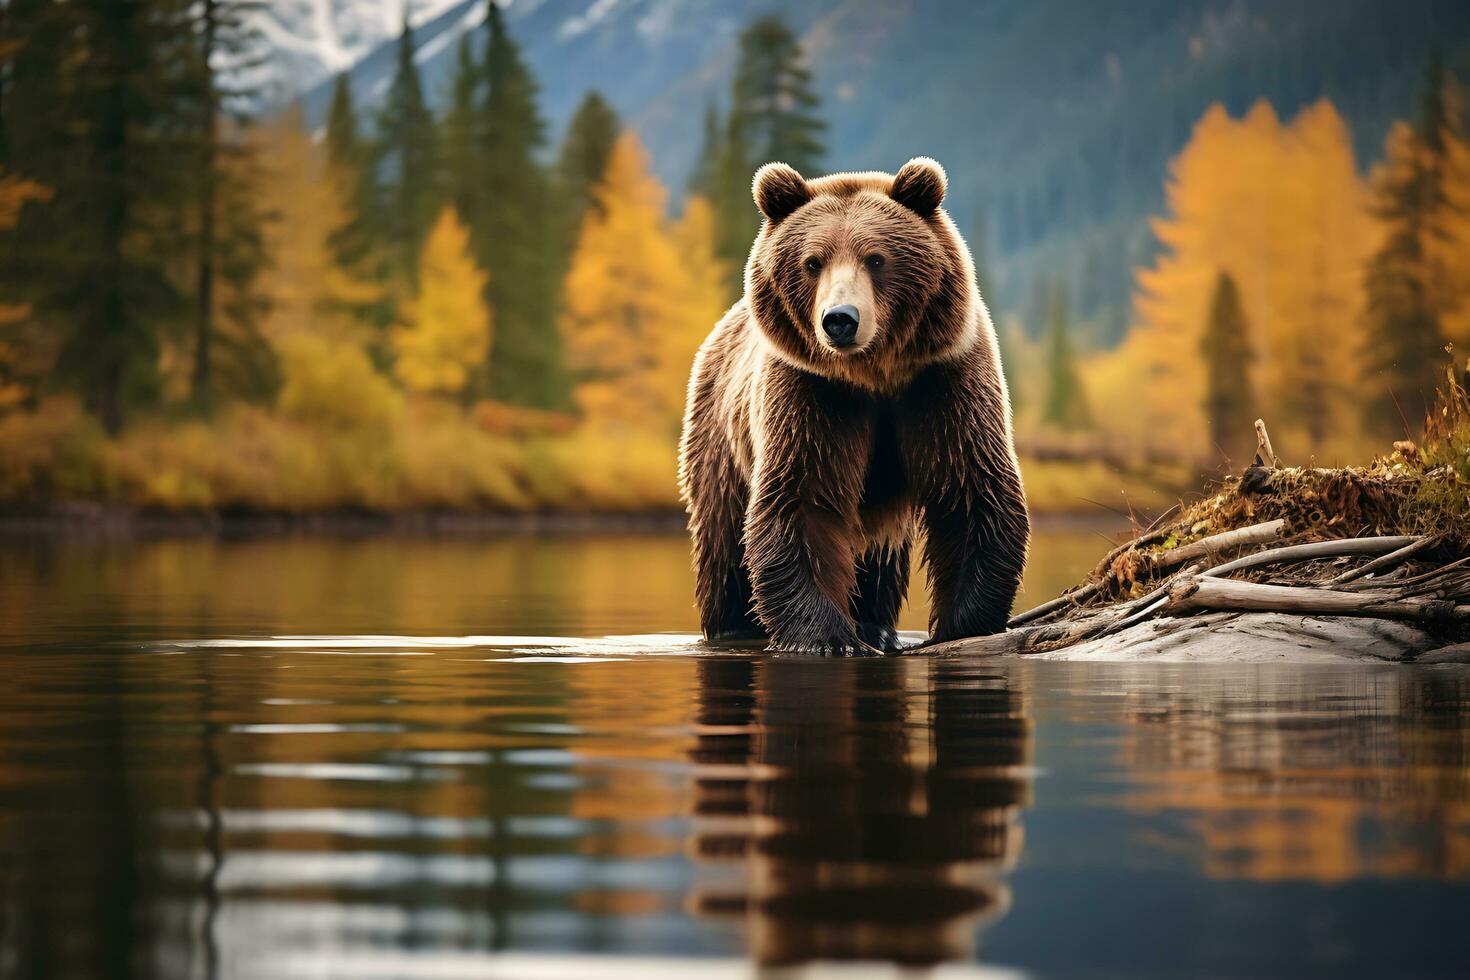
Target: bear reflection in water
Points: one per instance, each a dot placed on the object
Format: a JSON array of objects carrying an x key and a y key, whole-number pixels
[{"x": 862, "y": 809}]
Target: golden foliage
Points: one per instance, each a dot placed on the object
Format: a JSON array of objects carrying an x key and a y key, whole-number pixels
[
  {"x": 445, "y": 333},
  {"x": 639, "y": 298},
  {"x": 333, "y": 383},
  {"x": 15, "y": 193},
  {"x": 1280, "y": 208},
  {"x": 309, "y": 292}
]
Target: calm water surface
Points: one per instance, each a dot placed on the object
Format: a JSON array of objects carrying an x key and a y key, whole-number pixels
[{"x": 506, "y": 758}]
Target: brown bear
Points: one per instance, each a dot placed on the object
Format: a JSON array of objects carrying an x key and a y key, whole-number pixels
[{"x": 855, "y": 389}]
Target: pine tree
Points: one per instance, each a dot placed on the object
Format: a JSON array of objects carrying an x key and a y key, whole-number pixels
[
  {"x": 1066, "y": 402},
  {"x": 1404, "y": 284},
  {"x": 583, "y": 159},
  {"x": 461, "y": 139},
  {"x": 407, "y": 162},
  {"x": 773, "y": 116},
  {"x": 229, "y": 251},
  {"x": 702, "y": 178},
  {"x": 445, "y": 333},
  {"x": 355, "y": 248},
  {"x": 736, "y": 219},
  {"x": 515, "y": 242},
  {"x": 774, "y": 97},
  {"x": 92, "y": 90},
  {"x": 1226, "y": 351}
]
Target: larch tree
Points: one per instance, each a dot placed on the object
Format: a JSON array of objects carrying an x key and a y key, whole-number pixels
[
  {"x": 310, "y": 290},
  {"x": 322, "y": 348},
  {"x": 624, "y": 298},
  {"x": 444, "y": 335},
  {"x": 1280, "y": 208},
  {"x": 704, "y": 300},
  {"x": 1411, "y": 290},
  {"x": 1322, "y": 295},
  {"x": 1228, "y": 404}
]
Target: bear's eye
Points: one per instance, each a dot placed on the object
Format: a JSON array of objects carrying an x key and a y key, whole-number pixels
[
  {"x": 813, "y": 265},
  {"x": 874, "y": 262}
]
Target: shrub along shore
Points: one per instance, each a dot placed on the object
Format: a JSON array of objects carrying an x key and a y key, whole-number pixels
[{"x": 425, "y": 466}]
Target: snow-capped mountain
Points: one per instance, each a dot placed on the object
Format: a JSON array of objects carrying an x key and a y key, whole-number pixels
[{"x": 311, "y": 40}]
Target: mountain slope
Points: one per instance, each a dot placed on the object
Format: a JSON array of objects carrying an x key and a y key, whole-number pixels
[{"x": 1055, "y": 118}]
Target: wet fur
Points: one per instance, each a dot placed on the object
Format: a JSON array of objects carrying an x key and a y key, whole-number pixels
[{"x": 806, "y": 471}]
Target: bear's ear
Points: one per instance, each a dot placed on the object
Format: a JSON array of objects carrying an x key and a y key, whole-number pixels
[
  {"x": 779, "y": 190},
  {"x": 920, "y": 186}
]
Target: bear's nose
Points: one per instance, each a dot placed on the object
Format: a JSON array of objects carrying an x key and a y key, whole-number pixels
[{"x": 840, "y": 323}]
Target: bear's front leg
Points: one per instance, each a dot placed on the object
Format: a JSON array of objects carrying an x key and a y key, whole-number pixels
[
  {"x": 802, "y": 529},
  {"x": 959, "y": 448},
  {"x": 975, "y": 549}
]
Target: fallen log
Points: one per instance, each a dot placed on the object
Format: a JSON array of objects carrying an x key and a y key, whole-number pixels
[{"x": 1202, "y": 594}]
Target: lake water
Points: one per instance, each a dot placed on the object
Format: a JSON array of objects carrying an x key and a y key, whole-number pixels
[{"x": 505, "y": 757}]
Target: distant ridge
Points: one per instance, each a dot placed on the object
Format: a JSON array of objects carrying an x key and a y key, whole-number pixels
[{"x": 1055, "y": 118}]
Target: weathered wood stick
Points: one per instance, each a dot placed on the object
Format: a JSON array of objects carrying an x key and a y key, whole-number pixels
[
  {"x": 1405, "y": 583},
  {"x": 1199, "y": 593},
  {"x": 1308, "y": 552},
  {"x": 1080, "y": 594},
  {"x": 1410, "y": 548},
  {"x": 1241, "y": 537},
  {"x": 1264, "y": 452}
]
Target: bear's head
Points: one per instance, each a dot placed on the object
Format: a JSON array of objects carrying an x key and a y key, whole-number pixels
[{"x": 861, "y": 276}]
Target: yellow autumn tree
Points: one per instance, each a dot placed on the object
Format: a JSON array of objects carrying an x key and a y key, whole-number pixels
[
  {"x": 1447, "y": 238},
  {"x": 327, "y": 376},
  {"x": 15, "y": 192},
  {"x": 307, "y": 289},
  {"x": 1281, "y": 210},
  {"x": 701, "y": 305},
  {"x": 625, "y": 294},
  {"x": 445, "y": 333}
]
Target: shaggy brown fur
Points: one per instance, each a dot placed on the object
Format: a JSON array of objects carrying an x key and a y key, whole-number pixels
[{"x": 806, "y": 466}]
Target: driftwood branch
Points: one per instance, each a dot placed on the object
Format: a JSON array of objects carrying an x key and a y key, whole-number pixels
[
  {"x": 1410, "y": 548},
  {"x": 1310, "y": 552},
  {"x": 1201, "y": 594},
  {"x": 1243, "y": 537},
  {"x": 1412, "y": 582}
]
